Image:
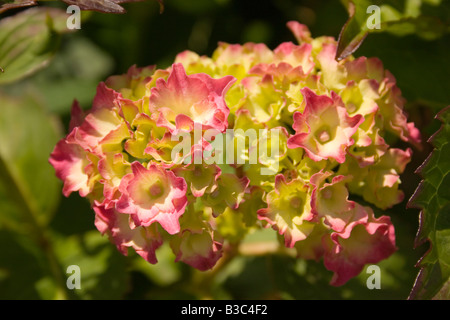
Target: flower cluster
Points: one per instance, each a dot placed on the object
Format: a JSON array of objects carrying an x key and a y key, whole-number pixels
[{"x": 331, "y": 121}]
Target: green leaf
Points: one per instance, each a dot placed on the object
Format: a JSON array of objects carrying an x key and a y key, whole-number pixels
[
  {"x": 102, "y": 268},
  {"x": 20, "y": 267},
  {"x": 428, "y": 20},
  {"x": 29, "y": 189},
  {"x": 74, "y": 73},
  {"x": 432, "y": 196},
  {"x": 29, "y": 194},
  {"x": 28, "y": 40}
]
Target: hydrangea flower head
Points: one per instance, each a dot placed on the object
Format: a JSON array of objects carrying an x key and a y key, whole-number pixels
[{"x": 199, "y": 154}]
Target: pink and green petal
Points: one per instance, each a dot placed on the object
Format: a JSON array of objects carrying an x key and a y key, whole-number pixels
[
  {"x": 70, "y": 161},
  {"x": 264, "y": 100},
  {"x": 329, "y": 200},
  {"x": 129, "y": 110},
  {"x": 132, "y": 85},
  {"x": 146, "y": 132},
  {"x": 369, "y": 145},
  {"x": 300, "y": 31},
  {"x": 324, "y": 129},
  {"x": 199, "y": 250},
  {"x": 360, "y": 97},
  {"x": 237, "y": 60},
  {"x": 151, "y": 195},
  {"x": 193, "y": 63},
  {"x": 311, "y": 248},
  {"x": 281, "y": 72},
  {"x": 105, "y": 98},
  {"x": 76, "y": 115},
  {"x": 198, "y": 96},
  {"x": 200, "y": 178},
  {"x": 391, "y": 105},
  {"x": 112, "y": 168},
  {"x": 333, "y": 73},
  {"x": 97, "y": 125},
  {"x": 144, "y": 240},
  {"x": 379, "y": 183},
  {"x": 229, "y": 192},
  {"x": 365, "y": 68},
  {"x": 295, "y": 55},
  {"x": 362, "y": 242},
  {"x": 289, "y": 210}
]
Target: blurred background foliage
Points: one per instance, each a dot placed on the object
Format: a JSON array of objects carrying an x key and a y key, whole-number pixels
[{"x": 42, "y": 232}]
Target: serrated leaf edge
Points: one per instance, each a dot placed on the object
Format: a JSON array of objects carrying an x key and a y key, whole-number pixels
[{"x": 418, "y": 241}]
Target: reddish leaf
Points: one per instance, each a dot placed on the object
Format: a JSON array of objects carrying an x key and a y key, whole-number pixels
[
  {"x": 354, "y": 30},
  {"x": 105, "y": 6},
  {"x": 16, "y": 4}
]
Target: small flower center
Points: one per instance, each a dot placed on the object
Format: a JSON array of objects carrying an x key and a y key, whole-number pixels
[
  {"x": 351, "y": 107},
  {"x": 296, "y": 202},
  {"x": 327, "y": 193},
  {"x": 323, "y": 135},
  {"x": 156, "y": 190},
  {"x": 304, "y": 172},
  {"x": 197, "y": 171},
  {"x": 215, "y": 194}
]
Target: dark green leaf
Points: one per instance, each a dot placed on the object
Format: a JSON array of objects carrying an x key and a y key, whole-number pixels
[
  {"x": 432, "y": 196},
  {"x": 29, "y": 194},
  {"x": 21, "y": 268},
  {"x": 25, "y": 274},
  {"x": 102, "y": 267},
  {"x": 401, "y": 18}
]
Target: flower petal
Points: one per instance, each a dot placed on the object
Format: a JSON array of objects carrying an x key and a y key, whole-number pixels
[
  {"x": 362, "y": 242},
  {"x": 153, "y": 195}
]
